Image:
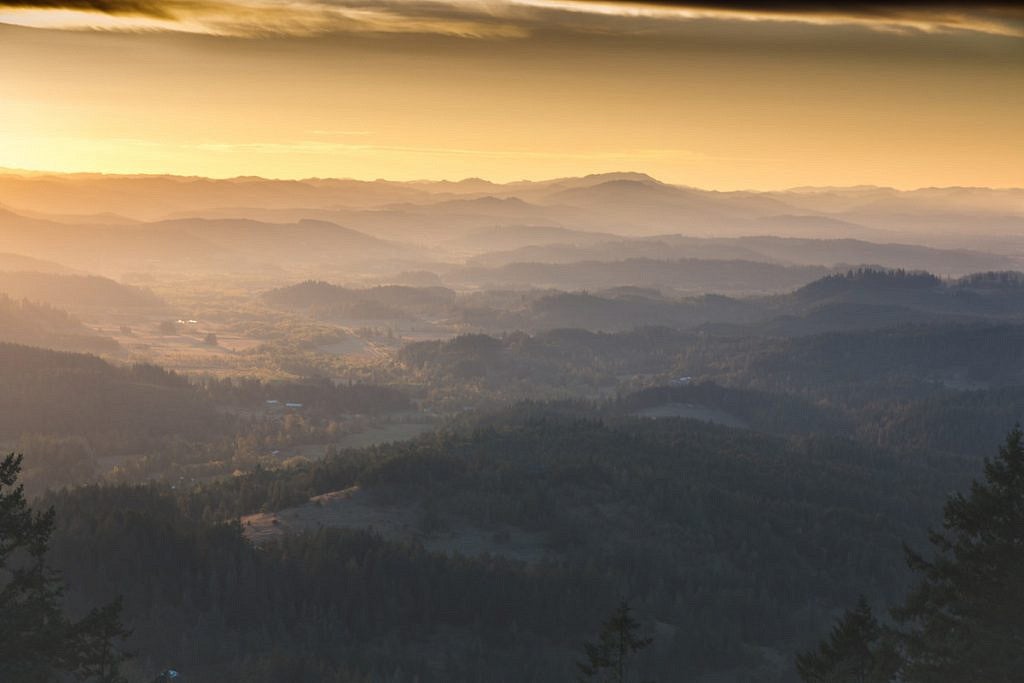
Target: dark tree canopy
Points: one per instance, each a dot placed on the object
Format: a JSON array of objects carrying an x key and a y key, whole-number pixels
[
  {"x": 965, "y": 619},
  {"x": 857, "y": 651},
  {"x": 37, "y": 640},
  {"x": 618, "y": 642}
]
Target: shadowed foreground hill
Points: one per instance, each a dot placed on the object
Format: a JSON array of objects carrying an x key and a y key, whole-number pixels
[{"x": 734, "y": 546}]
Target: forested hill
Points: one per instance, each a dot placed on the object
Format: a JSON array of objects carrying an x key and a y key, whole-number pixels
[
  {"x": 734, "y": 547},
  {"x": 958, "y": 356},
  {"x": 78, "y": 418},
  {"x": 979, "y": 294},
  {"x": 24, "y": 322},
  {"x": 76, "y": 291},
  {"x": 50, "y": 392},
  {"x": 682, "y": 275},
  {"x": 942, "y": 387},
  {"x": 581, "y": 363},
  {"x": 871, "y": 299},
  {"x": 372, "y": 302},
  {"x": 861, "y": 299},
  {"x": 54, "y": 392},
  {"x": 18, "y": 263}
]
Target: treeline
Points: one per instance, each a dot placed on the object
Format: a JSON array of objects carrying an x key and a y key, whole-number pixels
[
  {"x": 732, "y": 540},
  {"x": 730, "y": 544},
  {"x": 860, "y": 299},
  {"x": 555, "y": 364},
  {"x": 67, "y": 411},
  {"x": 337, "y": 605},
  {"x": 373, "y": 303},
  {"x": 926, "y": 387},
  {"x": 962, "y": 619},
  {"x": 955, "y": 355}
]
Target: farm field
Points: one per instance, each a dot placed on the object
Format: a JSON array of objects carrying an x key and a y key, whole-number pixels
[{"x": 355, "y": 509}]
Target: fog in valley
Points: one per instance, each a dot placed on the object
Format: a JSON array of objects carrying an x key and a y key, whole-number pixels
[
  {"x": 350, "y": 357},
  {"x": 579, "y": 405}
]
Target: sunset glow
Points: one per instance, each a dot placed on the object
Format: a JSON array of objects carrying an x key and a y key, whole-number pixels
[{"x": 520, "y": 89}]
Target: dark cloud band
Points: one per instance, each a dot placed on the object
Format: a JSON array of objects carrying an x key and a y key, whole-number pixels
[
  {"x": 140, "y": 7},
  {"x": 880, "y": 10},
  {"x": 522, "y": 16}
]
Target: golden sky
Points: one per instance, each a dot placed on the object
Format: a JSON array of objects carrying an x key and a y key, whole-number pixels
[{"x": 726, "y": 95}]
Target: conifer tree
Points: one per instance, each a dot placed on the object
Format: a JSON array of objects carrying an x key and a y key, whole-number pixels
[
  {"x": 37, "y": 640},
  {"x": 857, "y": 651},
  {"x": 964, "y": 621},
  {"x": 609, "y": 659}
]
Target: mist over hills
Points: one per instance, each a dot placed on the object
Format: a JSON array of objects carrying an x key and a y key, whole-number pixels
[
  {"x": 859, "y": 299},
  {"x": 625, "y": 203},
  {"x": 384, "y": 302},
  {"x": 510, "y": 398},
  {"x": 25, "y": 322},
  {"x": 118, "y": 224},
  {"x": 76, "y": 291},
  {"x": 682, "y": 275},
  {"x": 191, "y": 244},
  {"x": 649, "y": 341},
  {"x": 784, "y": 251},
  {"x": 17, "y": 262}
]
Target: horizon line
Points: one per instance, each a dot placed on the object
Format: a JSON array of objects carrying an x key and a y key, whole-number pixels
[{"x": 4, "y": 170}]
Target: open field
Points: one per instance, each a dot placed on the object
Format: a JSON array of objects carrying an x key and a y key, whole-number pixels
[{"x": 355, "y": 509}]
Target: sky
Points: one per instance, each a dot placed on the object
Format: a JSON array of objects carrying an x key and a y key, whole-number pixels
[{"x": 717, "y": 95}]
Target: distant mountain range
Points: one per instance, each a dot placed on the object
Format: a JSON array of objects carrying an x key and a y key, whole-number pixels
[{"x": 139, "y": 223}]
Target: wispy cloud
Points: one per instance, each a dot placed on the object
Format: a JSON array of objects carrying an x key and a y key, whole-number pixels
[
  {"x": 1000, "y": 17},
  {"x": 254, "y": 18},
  {"x": 495, "y": 18},
  {"x": 153, "y": 8}
]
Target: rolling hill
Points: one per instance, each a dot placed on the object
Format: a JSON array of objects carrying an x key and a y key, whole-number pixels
[
  {"x": 631, "y": 204},
  {"x": 189, "y": 244},
  {"x": 24, "y": 322},
  {"x": 77, "y": 291}
]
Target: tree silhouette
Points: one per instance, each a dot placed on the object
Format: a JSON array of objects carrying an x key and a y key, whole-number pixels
[
  {"x": 965, "y": 619},
  {"x": 858, "y": 650},
  {"x": 37, "y": 640},
  {"x": 619, "y": 640}
]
